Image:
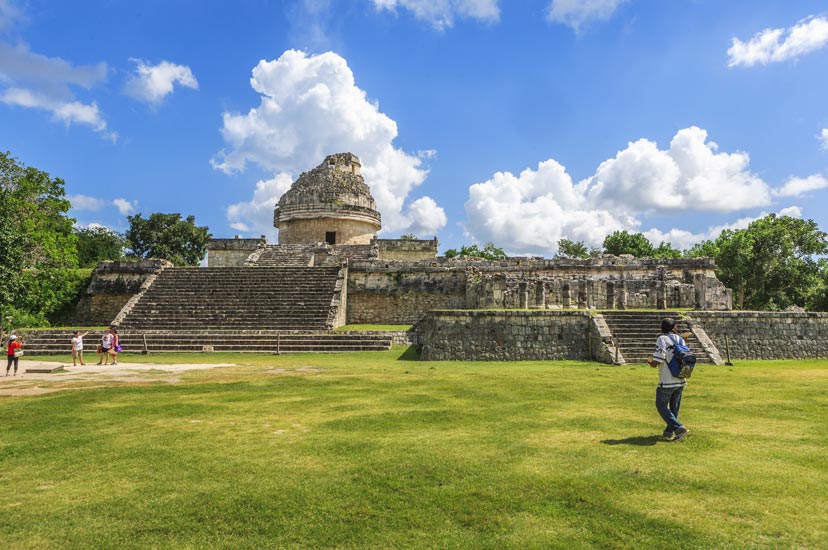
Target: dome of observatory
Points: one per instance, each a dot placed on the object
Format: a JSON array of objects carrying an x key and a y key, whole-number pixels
[{"x": 330, "y": 203}]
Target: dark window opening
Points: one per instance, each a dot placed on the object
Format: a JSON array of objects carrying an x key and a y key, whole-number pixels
[{"x": 330, "y": 237}]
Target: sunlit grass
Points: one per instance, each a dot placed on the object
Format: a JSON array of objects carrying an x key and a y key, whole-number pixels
[{"x": 379, "y": 450}]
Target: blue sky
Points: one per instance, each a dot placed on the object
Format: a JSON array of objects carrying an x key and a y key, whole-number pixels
[{"x": 476, "y": 120}]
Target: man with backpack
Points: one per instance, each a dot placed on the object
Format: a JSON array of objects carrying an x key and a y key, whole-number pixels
[{"x": 675, "y": 363}]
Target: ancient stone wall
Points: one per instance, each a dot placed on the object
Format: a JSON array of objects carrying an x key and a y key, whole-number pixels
[
  {"x": 407, "y": 250},
  {"x": 606, "y": 282},
  {"x": 232, "y": 252},
  {"x": 504, "y": 336},
  {"x": 113, "y": 285},
  {"x": 766, "y": 335},
  {"x": 401, "y": 293}
]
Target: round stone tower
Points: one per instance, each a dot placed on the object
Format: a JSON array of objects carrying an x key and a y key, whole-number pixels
[{"x": 331, "y": 203}]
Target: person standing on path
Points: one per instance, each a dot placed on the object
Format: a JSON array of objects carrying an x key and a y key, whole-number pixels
[
  {"x": 116, "y": 346},
  {"x": 14, "y": 351},
  {"x": 106, "y": 347},
  {"x": 77, "y": 348},
  {"x": 670, "y": 388}
]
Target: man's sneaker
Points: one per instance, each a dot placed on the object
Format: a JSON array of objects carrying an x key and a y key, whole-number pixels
[
  {"x": 667, "y": 435},
  {"x": 681, "y": 434}
]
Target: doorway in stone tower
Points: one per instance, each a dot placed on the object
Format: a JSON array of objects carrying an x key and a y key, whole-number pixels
[{"x": 330, "y": 237}]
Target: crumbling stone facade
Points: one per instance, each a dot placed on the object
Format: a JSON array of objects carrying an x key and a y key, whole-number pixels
[{"x": 330, "y": 204}]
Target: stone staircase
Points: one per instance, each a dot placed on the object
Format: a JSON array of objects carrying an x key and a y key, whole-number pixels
[
  {"x": 242, "y": 298},
  {"x": 56, "y": 342},
  {"x": 283, "y": 255},
  {"x": 635, "y": 333}
]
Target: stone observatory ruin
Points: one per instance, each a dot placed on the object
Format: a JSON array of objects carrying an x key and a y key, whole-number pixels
[
  {"x": 330, "y": 204},
  {"x": 330, "y": 269}
]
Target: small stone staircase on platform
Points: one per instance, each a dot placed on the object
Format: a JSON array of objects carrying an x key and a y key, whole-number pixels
[
  {"x": 56, "y": 342},
  {"x": 282, "y": 255},
  {"x": 635, "y": 334}
]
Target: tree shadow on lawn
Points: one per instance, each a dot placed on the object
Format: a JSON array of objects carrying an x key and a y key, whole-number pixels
[{"x": 638, "y": 440}]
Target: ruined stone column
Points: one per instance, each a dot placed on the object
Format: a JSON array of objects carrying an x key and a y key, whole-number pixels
[
  {"x": 622, "y": 294},
  {"x": 582, "y": 294},
  {"x": 523, "y": 295},
  {"x": 610, "y": 295},
  {"x": 566, "y": 296},
  {"x": 661, "y": 295},
  {"x": 540, "y": 295}
]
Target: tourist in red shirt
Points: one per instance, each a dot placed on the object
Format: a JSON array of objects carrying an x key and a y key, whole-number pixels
[{"x": 15, "y": 349}]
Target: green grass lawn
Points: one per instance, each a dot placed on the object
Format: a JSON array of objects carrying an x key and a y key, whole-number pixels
[{"x": 375, "y": 450}]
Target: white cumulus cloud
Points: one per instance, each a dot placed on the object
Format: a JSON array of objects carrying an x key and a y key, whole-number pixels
[
  {"x": 35, "y": 81},
  {"x": 691, "y": 174},
  {"x": 442, "y": 13},
  {"x": 823, "y": 139},
  {"x": 774, "y": 45},
  {"x": 311, "y": 107},
  {"x": 257, "y": 213},
  {"x": 579, "y": 13},
  {"x": 125, "y": 207},
  {"x": 152, "y": 83},
  {"x": 85, "y": 202},
  {"x": 796, "y": 186},
  {"x": 529, "y": 213}
]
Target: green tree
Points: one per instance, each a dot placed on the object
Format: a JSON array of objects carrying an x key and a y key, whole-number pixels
[
  {"x": 167, "y": 236},
  {"x": 623, "y": 242},
  {"x": 96, "y": 244},
  {"x": 38, "y": 205},
  {"x": 39, "y": 262},
  {"x": 575, "y": 249},
  {"x": 11, "y": 252},
  {"x": 488, "y": 252},
  {"x": 773, "y": 263},
  {"x": 666, "y": 250},
  {"x": 408, "y": 237}
]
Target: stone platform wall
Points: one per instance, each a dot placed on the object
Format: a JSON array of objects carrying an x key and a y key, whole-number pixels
[
  {"x": 504, "y": 335},
  {"x": 767, "y": 335},
  {"x": 113, "y": 284},
  {"x": 402, "y": 293},
  {"x": 232, "y": 252}
]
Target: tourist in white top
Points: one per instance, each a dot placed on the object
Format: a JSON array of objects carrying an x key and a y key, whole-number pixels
[
  {"x": 77, "y": 348},
  {"x": 106, "y": 347}
]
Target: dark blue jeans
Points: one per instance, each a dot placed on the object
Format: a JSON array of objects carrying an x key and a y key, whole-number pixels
[{"x": 668, "y": 401}]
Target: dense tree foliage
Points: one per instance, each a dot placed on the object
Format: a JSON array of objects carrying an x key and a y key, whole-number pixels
[
  {"x": 96, "y": 244},
  {"x": 167, "y": 236},
  {"x": 575, "y": 249},
  {"x": 39, "y": 245},
  {"x": 488, "y": 252},
  {"x": 624, "y": 242},
  {"x": 772, "y": 264},
  {"x": 11, "y": 251}
]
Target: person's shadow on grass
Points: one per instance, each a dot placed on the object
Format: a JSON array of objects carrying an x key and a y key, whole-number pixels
[{"x": 639, "y": 440}]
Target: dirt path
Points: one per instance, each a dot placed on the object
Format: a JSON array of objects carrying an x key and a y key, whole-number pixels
[{"x": 28, "y": 383}]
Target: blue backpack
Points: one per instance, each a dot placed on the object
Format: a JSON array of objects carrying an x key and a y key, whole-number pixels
[{"x": 683, "y": 361}]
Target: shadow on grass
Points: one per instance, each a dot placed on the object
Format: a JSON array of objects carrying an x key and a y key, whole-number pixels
[
  {"x": 410, "y": 354},
  {"x": 639, "y": 440}
]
